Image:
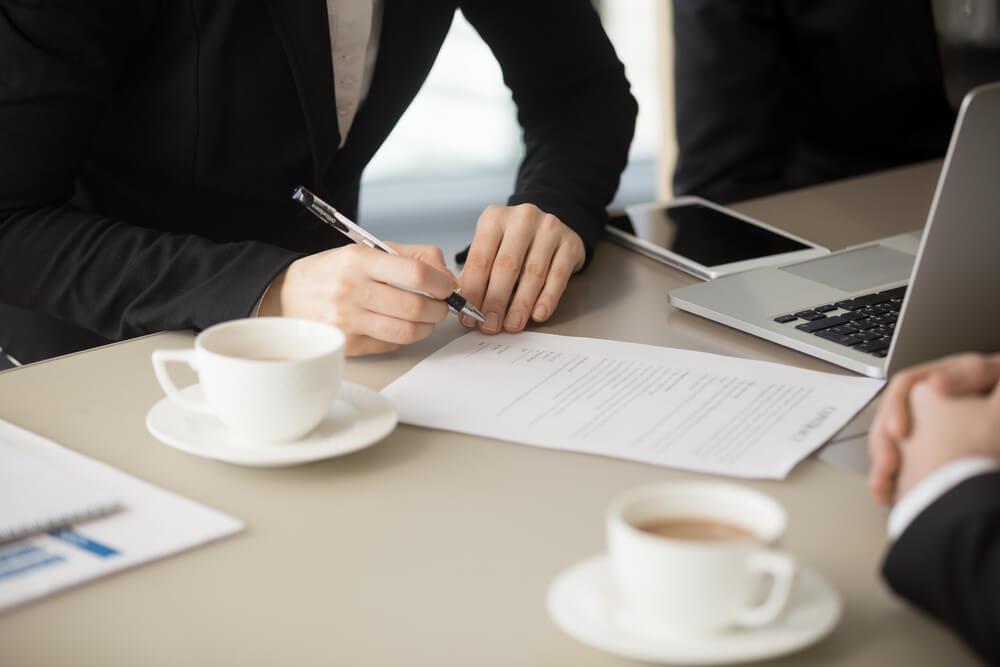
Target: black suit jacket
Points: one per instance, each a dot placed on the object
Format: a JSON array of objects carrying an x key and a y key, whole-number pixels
[
  {"x": 947, "y": 562},
  {"x": 778, "y": 94},
  {"x": 148, "y": 150}
]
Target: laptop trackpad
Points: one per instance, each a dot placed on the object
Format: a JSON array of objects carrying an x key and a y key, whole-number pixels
[{"x": 856, "y": 270}]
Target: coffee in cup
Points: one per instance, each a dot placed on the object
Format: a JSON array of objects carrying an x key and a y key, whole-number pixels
[
  {"x": 268, "y": 379},
  {"x": 690, "y": 557},
  {"x": 698, "y": 529}
]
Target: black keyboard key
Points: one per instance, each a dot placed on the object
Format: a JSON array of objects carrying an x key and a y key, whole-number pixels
[
  {"x": 864, "y": 325},
  {"x": 874, "y": 345},
  {"x": 872, "y": 299},
  {"x": 880, "y": 353},
  {"x": 849, "y": 304},
  {"x": 825, "y": 309},
  {"x": 844, "y": 330},
  {"x": 895, "y": 306},
  {"x": 819, "y": 325},
  {"x": 896, "y": 293},
  {"x": 838, "y": 338},
  {"x": 809, "y": 315},
  {"x": 852, "y": 317},
  {"x": 781, "y": 319},
  {"x": 867, "y": 335},
  {"x": 891, "y": 317}
]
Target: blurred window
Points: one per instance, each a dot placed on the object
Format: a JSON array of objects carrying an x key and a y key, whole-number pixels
[{"x": 456, "y": 148}]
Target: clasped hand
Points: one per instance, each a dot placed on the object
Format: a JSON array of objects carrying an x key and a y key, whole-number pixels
[
  {"x": 930, "y": 415},
  {"x": 518, "y": 266}
]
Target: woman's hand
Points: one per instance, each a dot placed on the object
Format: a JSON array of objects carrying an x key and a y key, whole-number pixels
[
  {"x": 518, "y": 266},
  {"x": 357, "y": 289}
]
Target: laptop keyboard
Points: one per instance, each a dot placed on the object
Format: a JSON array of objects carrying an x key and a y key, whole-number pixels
[{"x": 865, "y": 323}]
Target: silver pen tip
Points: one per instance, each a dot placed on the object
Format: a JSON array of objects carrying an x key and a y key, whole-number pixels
[{"x": 473, "y": 312}]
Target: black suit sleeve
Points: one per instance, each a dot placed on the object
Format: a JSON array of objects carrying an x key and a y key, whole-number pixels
[
  {"x": 573, "y": 104},
  {"x": 734, "y": 125},
  {"x": 947, "y": 562},
  {"x": 58, "y": 65}
]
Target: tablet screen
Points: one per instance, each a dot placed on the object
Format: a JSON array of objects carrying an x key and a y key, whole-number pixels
[{"x": 705, "y": 235}]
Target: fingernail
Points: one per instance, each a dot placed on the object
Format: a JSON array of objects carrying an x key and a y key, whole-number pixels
[
  {"x": 515, "y": 320},
  {"x": 492, "y": 323},
  {"x": 541, "y": 312},
  {"x": 467, "y": 321}
]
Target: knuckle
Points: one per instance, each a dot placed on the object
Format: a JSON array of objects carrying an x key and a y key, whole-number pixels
[
  {"x": 337, "y": 319},
  {"x": 352, "y": 253},
  {"x": 478, "y": 262},
  {"x": 419, "y": 272},
  {"x": 411, "y": 306},
  {"x": 975, "y": 363},
  {"x": 507, "y": 262},
  {"x": 340, "y": 292},
  {"x": 405, "y": 332},
  {"x": 550, "y": 222},
  {"x": 526, "y": 215},
  {"x": 490, "y": 217},
  {"x": 392, "y": 332},
  {"x": 408, "y": 332},
  {"x": 902, "y": 380},
  {"x": 535, "y": 271},
  {"x": 559, "y": 276}
]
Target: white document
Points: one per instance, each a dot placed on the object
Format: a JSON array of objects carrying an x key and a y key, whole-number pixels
[
  {"x": 36, "y": 496},
  {"x": 151, "y": 524},
  {"x": 669, "y": 407}
]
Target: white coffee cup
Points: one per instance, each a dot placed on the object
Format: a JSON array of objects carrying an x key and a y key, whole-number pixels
[
  {"x": 675, "y": 586},
  {"x": 268, "y": 379}
]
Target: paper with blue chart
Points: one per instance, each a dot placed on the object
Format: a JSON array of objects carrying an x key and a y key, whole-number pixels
[{"x": 151, "y": 523}]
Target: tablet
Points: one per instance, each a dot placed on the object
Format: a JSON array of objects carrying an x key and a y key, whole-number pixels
[{"x": 705, "y": 239}]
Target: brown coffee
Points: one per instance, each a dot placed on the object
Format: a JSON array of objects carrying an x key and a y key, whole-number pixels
[{"x": 698, "y": 529}]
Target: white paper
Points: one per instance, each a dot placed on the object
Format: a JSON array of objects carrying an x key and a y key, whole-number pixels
[
  {"x": 152, "y": 524},
  {"x": 36, "y": 496},
  {"x": 664, "y": 406}
]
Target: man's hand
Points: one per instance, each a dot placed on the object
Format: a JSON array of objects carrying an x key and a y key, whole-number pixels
[
  {"x": 945, "y": 429},
  {"x": 959, "y": 375},
  {"x": 355, "y": 288},
  {"x": 518, "y": 266}
]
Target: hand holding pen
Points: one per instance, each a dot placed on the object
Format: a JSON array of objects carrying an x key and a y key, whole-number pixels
[
  {"x": 351, "y": 230},
  {"x": 367, "y": 293}
]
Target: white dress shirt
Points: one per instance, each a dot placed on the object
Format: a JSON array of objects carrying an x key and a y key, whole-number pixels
[
  {"x": 935, "y": 485},
  {"x": 354, "y": 36}
]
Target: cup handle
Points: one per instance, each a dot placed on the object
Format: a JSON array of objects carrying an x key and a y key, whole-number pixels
[
  {"x": 160, "y": 360},
  {"x": 782, "y": 568}
]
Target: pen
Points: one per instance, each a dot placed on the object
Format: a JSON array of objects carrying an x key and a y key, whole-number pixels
[{"x": 351, "y": 230}]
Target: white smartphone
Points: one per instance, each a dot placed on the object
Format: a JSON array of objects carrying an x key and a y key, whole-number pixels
[{"x": 705, "y": 239}]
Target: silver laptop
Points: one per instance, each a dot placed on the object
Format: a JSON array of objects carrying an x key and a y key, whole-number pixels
[{"x": 883, "y": 306}]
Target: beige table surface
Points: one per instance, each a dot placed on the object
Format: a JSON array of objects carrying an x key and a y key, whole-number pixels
[{"x": 436, "y": 548}]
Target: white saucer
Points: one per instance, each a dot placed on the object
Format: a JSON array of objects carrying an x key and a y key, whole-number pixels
[
  {"x": 585, "y": 603},
  {"x": 358, "y": 418}
]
